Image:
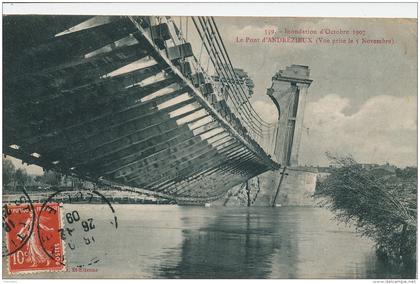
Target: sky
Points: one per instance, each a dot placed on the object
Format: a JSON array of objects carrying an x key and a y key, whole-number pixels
[{"x": 363, "y": 99}]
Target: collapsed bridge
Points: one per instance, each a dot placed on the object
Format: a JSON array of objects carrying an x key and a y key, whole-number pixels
[{"x": 126, "y": 100}]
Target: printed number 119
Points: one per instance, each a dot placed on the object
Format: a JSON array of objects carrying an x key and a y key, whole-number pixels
[{"x": 269, "y": 31}]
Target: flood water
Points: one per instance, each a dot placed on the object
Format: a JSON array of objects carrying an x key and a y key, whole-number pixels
[{"x": 168, "y": 241}]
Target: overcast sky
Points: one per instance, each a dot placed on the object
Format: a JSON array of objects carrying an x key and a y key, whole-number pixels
[{"x": 363, "y": 100}]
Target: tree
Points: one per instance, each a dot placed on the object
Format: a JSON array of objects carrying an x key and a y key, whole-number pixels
[
  {"x": 22, "y": 177},
  {"x": 408, "y": 172},
  {"x": 377, "y": 206},
  {"x": 8, "y": 171},
  {"x": 51, "y": 178}
]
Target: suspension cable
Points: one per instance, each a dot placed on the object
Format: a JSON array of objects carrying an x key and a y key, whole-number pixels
[
  {"x": 217, "y": 67},
  {"x": 233, "y": 74},
  {"x": 230, "y": 62},
  {"x": 212, "y": 51}
]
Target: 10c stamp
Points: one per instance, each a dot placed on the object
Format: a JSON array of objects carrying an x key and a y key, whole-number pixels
[{"x": 25, "y": 246}]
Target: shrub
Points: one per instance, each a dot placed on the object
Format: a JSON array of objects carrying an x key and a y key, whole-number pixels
[{"x": 381, "y": 208}]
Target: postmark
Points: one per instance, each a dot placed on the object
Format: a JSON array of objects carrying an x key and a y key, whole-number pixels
[
  {"x": 87, "y": 227},
  {"x": 18, "y": 223},
  {"x": 30, "y": 256}
]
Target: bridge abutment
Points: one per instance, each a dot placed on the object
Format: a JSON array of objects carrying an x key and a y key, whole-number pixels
[{"x": 289, "y": 94}]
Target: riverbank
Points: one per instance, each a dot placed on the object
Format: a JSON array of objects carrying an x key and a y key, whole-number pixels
[
  {"x": 84, "y": 196},
  {"x": 380, "y": 201}
]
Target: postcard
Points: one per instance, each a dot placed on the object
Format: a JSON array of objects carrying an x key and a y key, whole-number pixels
[{"x": 209, "y": 147}]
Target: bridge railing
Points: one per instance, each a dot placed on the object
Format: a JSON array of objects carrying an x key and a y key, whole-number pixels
[{"x": 213, "y": 72}]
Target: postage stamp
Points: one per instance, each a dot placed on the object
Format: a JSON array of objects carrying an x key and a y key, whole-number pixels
[
  {"x": 81, "y": 231},
  {"x": 30, "y": 255}
]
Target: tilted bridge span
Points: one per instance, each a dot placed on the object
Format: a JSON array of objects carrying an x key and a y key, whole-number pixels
[{"x": 129, "y": 101}]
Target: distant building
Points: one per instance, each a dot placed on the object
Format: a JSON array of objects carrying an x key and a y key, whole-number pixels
[{"x": 369, "y": 166}]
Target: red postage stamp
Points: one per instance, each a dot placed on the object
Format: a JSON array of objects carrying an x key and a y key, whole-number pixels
[{"x": 33, "y": 239}]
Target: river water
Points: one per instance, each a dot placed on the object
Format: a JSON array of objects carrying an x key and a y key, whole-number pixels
[{"x": 168, "y": 241}]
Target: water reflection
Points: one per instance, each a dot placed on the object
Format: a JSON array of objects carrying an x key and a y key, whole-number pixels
[
  {"x": 383, "y": 269},
  {"x": 294, "y": 242},
  {"x": 238, "y": 244}
]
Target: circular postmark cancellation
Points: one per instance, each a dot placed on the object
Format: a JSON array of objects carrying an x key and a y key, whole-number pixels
[
  {"x": 22, "y": 245},
  {"x": 84, "y": 230},
  {"x": 18, "y": 225}
]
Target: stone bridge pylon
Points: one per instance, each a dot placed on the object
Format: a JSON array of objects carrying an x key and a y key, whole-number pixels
[{"x": 289, "y": 92}]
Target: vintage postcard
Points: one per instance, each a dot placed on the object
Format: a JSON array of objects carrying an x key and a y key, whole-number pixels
[{"x": 208, "y": 147}]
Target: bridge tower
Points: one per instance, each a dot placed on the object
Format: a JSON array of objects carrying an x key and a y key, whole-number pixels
[{"x": 289, "y": 92}]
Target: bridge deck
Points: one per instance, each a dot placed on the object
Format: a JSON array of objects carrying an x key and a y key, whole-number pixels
[{"x": 108, "y": 98}]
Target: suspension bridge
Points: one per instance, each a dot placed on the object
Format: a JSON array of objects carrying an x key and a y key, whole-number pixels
[{"x": 131, "y": 101}]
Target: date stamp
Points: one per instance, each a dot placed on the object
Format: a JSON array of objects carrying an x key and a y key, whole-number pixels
[
  {"x": 29, "y": 255},
  {"x": 84, "y": 234}
]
